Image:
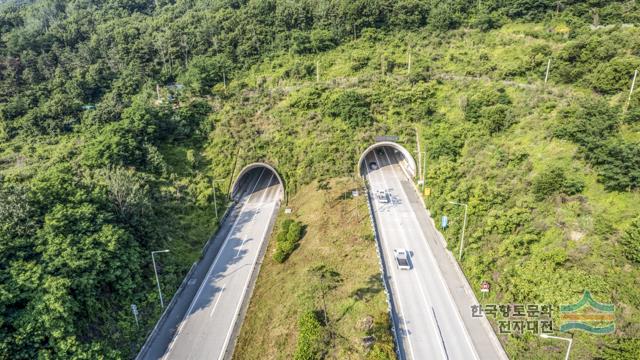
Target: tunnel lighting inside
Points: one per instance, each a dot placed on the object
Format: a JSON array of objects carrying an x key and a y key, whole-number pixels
[
  {"x": 255, "y": 178},
  {"x": 384, "y": 153}
]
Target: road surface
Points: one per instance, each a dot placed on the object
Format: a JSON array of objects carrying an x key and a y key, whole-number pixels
[
  {"x": 430, "y": 325},
  {"x": 209, "y": 325}
]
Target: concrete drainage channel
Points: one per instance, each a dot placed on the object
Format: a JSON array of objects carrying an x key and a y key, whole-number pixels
[{"x": 383, "y": 274}]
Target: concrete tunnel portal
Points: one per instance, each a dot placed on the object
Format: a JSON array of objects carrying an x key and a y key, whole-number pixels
[
  {"x": 406, "y": 160},
  {"x": 256, "y": 177}
]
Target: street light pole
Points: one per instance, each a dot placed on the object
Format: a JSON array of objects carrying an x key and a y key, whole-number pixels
[
  {"x": 546, "y": 336},
  {"x": 424, "y": 168},
  {"x": 464, "y": 226},
  {"x": 156, "y": 271}
]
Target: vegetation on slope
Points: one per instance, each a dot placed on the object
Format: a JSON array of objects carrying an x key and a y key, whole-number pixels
[{"x": 103, "y": 159}]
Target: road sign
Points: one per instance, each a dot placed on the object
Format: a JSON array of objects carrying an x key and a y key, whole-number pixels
[
  {"x": 427, "y": 191},
  {"x": 485, "y": 287},
  {"x": 287, "y": 211},
  {"x": 387, "y": 138},
  {"x": 355, "y": 193},
  {"x": 420, "y": 182},
  {"x": 445, "y": 222}
]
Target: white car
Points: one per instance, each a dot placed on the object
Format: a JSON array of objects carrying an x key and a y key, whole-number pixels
[
  {"x": 382, "y": 197},
  {"x": 402, "y": 259}
]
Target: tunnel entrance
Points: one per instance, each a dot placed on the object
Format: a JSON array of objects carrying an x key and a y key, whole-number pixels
[
  {"x": 258, "y": 179},
  {"x": 385, "y": 153}
]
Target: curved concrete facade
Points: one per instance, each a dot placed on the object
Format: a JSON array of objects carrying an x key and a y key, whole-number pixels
[
  {"x": 250, "y": 167},
  {"x": 410, "y": 165}
]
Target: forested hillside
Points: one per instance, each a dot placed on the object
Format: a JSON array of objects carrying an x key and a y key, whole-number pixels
[{"x": 116, "y": 117}]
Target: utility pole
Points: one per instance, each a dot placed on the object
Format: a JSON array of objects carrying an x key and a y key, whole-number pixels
[
  {"x": 224, "y": 81},
  {"x": 633, "y": 85},
  {"x": 317, "y": 71},
  {"x": 424, "y": 168},
  {"x": 546, "y": 75},
  {"x": 156, "y": 271},
  {"x": 464, "y": 226}
]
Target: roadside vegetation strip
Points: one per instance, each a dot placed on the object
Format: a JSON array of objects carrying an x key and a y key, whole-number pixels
[
  {"x": 167, "y": 310},
  {"x": 332, "y": 273}
]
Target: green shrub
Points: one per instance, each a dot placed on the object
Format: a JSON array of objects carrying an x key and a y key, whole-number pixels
[
  {"x": 287, "y": 239},
  {"x": 552, "y": 181},
  {"x": 359, "y": 60},
  {"x": 351, "y": 107},
  {"x": 473, "y": 110},
  {"x": 307, "y": 98},
  {"x": 496, "y": 118},
  {"x": 203, "y": 72},
  {"x": 587, "y": 122},
  {"x": 621, "y": 349},
  {"x": 613, "y": 76},
  {"x": 311, "y": 337},
  {"x": 630, "y": 240},
  {"x": 618, "y": 163},
  {"x": 594, "y": 127}
]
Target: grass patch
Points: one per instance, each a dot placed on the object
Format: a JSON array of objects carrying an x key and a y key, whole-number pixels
[{"x": 334, "y": 274}]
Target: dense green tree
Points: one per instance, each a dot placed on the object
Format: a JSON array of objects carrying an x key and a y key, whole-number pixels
[
  {"x": 204, "y": 72},
  {"x": 614, "y": 76},
  {"x": 554, "y": 180},
  {"x": 351, "y": 107},
  {"x": 630, "y": 241},
  {"x": 409, "y": 14},
  {"x": 618, "y": 163}
]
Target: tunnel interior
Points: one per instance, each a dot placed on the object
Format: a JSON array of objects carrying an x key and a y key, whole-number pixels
[
  {"x": 384, "y": 154},
  {"x": 258, "y": 180}
]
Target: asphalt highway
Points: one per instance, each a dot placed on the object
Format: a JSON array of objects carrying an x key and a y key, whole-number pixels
[
  {"x": 207, "y": 328},
  {"x": 429, "y": 324}
]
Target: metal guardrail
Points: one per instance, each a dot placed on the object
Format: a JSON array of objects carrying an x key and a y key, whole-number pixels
[
  {"x": 167, "y": 310},
  {"x": 383, "y": 272}
]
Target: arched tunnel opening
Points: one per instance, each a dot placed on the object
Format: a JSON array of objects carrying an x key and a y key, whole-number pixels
[
  {"x": 386, "y": 153},
  {"x": 259, "y": 181}
]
